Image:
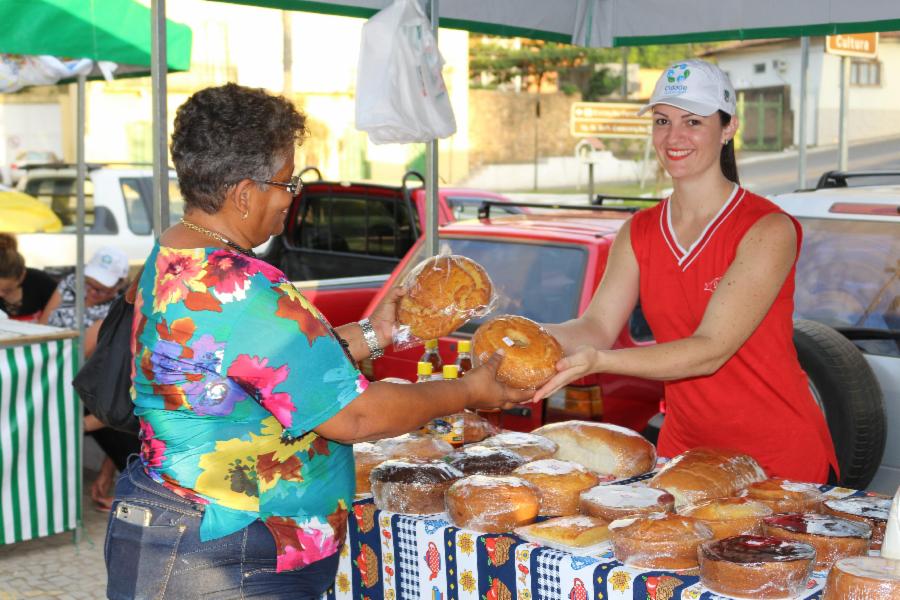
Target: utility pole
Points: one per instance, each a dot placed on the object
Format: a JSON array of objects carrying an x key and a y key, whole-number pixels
[{"x": 287, "y": 55}]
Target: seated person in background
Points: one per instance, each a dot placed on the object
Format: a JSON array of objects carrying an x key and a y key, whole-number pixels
[
  {"x": 104, "y": 279},
  {"x": 24, "y": 292}
]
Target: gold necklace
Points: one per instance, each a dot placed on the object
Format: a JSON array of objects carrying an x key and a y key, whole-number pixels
[{"x": 218, "y": 236}]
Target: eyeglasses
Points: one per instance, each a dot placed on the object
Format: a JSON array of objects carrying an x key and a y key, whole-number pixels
[{"x": 293, "y": 186}]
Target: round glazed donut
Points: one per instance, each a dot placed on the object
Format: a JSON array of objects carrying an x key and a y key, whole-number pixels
[
  {"x": 443, "y": 293},
  {"x": 531, "y": 352}
]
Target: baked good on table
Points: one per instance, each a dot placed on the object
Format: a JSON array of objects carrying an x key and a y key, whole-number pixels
[
  {"x": 531, "y": 353},
  {"x": 613, "y": 502},
  {"x": 366, "y": 457},
  {"x": 475, "y": 427},
  {"x": 532, "y": 447},
  {"x": 863, "y": 578},
  {"x": 485, "y": 460},
  {"x": 832, "y": 537},
  {"x": 753, "y": 566},
  {"x": 727, "y": 517},
  {"x": 442, "y": 294},
  {"x": 412, "y": 486},
  {"x": 704, "y": 473},
  {"x": 414, "y": 445},
  {"x": 492, "y": 504},
  {"x": 868, "y": 509},
  {"x": 783, "y": 495},
  {"x": 559, "y": 482},
  {"x": 577, "y": 531},
  {"x": 601, "y": 447},
  {"x": 658, "y": 541}
]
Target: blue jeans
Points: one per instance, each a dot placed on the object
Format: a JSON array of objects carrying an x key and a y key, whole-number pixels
[{"x": 153, "y": 550}]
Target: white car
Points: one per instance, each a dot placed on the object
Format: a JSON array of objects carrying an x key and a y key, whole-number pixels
[{"x": 848, "y": 281}]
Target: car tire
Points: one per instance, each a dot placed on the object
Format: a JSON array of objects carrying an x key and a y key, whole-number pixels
[{"x": 847, "y": 391}]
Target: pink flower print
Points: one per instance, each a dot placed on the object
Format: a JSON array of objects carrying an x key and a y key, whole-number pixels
[
  {"x": 259, "y": 381},
  {"x": 312, "y": 545},
  {"x": 228, "y": 272},
  {"x": 361, "y": 384},
  {"x": 153, "y": 450},
  {"x": 176, "y": 271}
]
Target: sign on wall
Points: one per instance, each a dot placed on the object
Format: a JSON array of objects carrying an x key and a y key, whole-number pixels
[
  {"x": 609, "y": 120},
  {"x": 859, "y": 45}
]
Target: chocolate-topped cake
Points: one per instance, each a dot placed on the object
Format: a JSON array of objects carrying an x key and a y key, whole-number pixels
[
  {"x": 755, "y": 566},
  {"x": 412, "y": 486},
  {"x": 832, "y": 537},
  {"x": 485, "y": 460},
  {"x": 868, "y": 509}
]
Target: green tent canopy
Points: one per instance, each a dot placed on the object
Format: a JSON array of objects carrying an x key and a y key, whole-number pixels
[{"x": 102, "y": 30}]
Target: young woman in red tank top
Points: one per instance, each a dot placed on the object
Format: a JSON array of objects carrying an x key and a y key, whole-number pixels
[{"x": 713, "y": 267}]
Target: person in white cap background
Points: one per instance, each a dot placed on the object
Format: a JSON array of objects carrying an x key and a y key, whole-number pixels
[
  {"x": 105, "y": 277},
  {"x": 713, "y": 268}
]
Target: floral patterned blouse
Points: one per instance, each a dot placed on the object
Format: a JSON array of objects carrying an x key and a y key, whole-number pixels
[{"x": 233, "y": 369}]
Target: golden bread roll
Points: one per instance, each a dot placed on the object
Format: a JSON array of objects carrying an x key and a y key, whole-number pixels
[
  {"x": 532, "y": 447},
  {"x": 658, "y": 541},
  {"x": 492, "y": 504},
  {"x": 531, "y": 352},
  {"x": 477, "y": 459},
  {"x": 413, "y": 445},
  {"x": 613, "y": 502},
  {"x": 863, "y": 578},
  {"x": 475, "y": 427},
  {"x": 601, "y": 447},
  {"x": 412, "y": 486},
  {"x": 442, "y": 294},
  {"x": 704, "y": 473},
  {"x": 560, "y": 484},
  {"x": 728, "y": 517},
  {"x": 577, "y": 531},
  {"x": 873, "y": 510},
  {"x": 783, "y": 495},
  {"x": 749, "y": 566},
  {"x": 366, "y": 457},
  {"x": 832, "y": 537}
]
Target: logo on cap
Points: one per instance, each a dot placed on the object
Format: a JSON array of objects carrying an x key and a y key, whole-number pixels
[
  {"x": 676, "y": 75},
  {"x": 727, "y": 95}
]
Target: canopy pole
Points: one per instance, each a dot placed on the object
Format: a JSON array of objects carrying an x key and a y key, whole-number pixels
[
  {"x": 158, "y": 70},
  {"x": 431, "y": 161},
  {"x": 801, "y": 134},
  {"x": 845, "y": 99},
  {"x": 81, "y": 174}
]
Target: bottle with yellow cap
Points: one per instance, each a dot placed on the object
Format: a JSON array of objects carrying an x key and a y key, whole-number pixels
[
  {"x": 463, "y": 356},
  {"x": 424, "y": 371},
  {"x": 432, "y": 356},
  {"x": 450, "y": 428}
]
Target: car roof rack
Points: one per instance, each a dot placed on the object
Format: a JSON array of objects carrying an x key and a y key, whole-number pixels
[
  {"x": 599, "y": 199},
  {"x": 91, "y": 166},
  {"x": 484, "y": 211},
  {"x": 838, "y": 179}
]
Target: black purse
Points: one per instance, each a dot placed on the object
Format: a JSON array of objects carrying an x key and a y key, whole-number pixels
[{"x": 104, "y": 381}]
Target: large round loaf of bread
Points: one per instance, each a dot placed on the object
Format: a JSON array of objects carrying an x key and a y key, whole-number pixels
[
  {"x": 443, "y": 293},
  {"x": 530, "y": 352},
  {"x": 863, "y": 577},
  {"x": 492, "y": 504},
  {"x": 704, "y": 473},
  {"x": 658, "y": 541},
  {"x": 601, "y": 447}
]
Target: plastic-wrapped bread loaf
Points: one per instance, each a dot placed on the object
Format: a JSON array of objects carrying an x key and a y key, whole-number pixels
[
  {"x": 601, "y": 447},
  {"x": 704, "y": 473},
  {"x": 728, "y": 517},
  {"x": 749, "y": 566},
  {"x": 783, "y": 495},
  {"x": 413, "y": 445},
  {"x": 613, "y": 502},
  {"x": 531, "y": 353},
  {"x": 366, "y": 457},
  {"x": 569, "y": 533},
  {"x": 492, "y": 504},
  {"x": 658, "y": 541},
  {"x": 560, "y": 484},
  {"x": 486, "y": 460},
  {"x": 412, "y": 486},
  {"x": 832, "y": 537},
  {"x": 532, "y": 447},
  {"x": 873, "y": 510}
]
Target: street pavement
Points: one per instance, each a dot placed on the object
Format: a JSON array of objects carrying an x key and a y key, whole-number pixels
[{"x": 55, "y": 566}]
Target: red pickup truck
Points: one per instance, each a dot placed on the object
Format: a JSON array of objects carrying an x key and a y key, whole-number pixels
[{"x": 545, "y": 266}]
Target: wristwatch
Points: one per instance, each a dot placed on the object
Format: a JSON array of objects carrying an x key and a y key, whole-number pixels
[{"x": 375, "y": 351}]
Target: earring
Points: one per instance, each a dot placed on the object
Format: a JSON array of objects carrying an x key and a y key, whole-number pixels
[{"x": 244, "y": 216}]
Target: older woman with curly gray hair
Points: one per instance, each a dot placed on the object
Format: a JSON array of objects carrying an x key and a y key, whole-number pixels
[{"x": 249, "y": 401}]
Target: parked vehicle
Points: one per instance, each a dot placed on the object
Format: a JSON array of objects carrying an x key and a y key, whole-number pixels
[
  {"x": 118, "y": 212},
  {"x": 30, "y": 159},
  {"x": 340, "y": 229},
  {"x": 21, "y": 213},
  {"x": 848, "y": 301}
]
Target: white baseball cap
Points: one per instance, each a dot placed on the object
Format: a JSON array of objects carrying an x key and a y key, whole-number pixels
[
  {"x": 107, "y": 266},
  {"x": 696, "y": 86}
]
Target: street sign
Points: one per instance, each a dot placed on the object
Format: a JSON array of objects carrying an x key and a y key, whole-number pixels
[
  {"x": 860, "y": 45},
  {"x": 608, "y": 120}
]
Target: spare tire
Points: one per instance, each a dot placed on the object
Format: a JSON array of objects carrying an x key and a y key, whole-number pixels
[{"x": 843, "y": 384}]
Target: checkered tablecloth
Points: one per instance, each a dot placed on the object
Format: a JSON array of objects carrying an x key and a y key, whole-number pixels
[{"x": 394, "y": 556}]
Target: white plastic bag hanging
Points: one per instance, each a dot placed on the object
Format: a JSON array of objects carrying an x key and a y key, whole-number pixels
[{"x": 400, "y": 91}]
